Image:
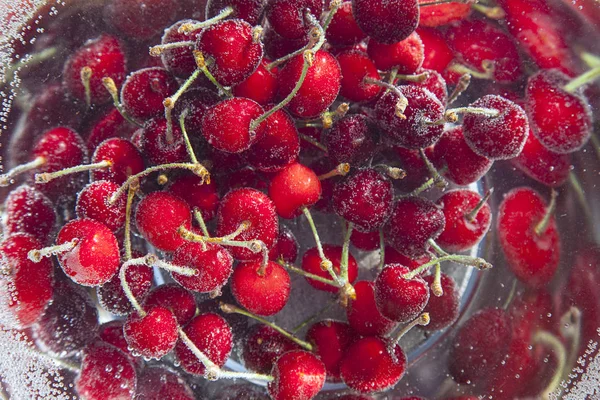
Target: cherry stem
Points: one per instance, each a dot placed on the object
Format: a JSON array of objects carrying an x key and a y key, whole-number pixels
[
  {"x": 314, "y": 317},
  {"x": 582, "y": 79},
  {"x": 169, "y": 103},
  {"x": 541, "y": 227},
  {"x": 416, "y": 78},
  {"x": 438, "y": 2},
  {"x": 472, "y": 215},
  {"x": 463, "y": 83},
  {"x": 381, "y": 249},
  {"x": 436, "y": 286},
  {"x": 580, "y": 194},
  {"x": 549, "y": 340},
  {"x": 438, "y": 179},
  {"x": 345, "y": 253},
  {"x": 451, "y": 115},
  {"x": 402, "y": 100},
  {"x": 392, "y": 172},
  {"x": 328, "y": 118},
  {"x": 421, "y": 320},
  {"x": 36, "y": 255},
  {"x": 231, "y": 309},
  {"x": 49, "y": 176},
  {"x": 313, "y": 38},
  {"x": 127, "y": 240},
  {"x": 488, "y": 67},
  {"x": 308, "y": 274},
  {"x": 437, "y": 248},
  {"x": 186, "y": 138},
  {"x": 590, "y": 59},
  {"x": 156, "y": 51},
  {"x": 570, "y": 327},
  {"x": 333, "y": 8},
  {"x": 30, "y": 59},
  {"x": 511, "y": 295},
  {"x": 200, "y": 219},
  {"x": 162, "y": 179},
  {"x": 86, "y": 74},
  {"x": 326, "y": 264},
  {"x": 111, "y": 87},
  {"x": 475, "y": 262},
  {"x": 189, "y": 27},
  {"x": 201, "y": 63},
  {"x": 424, "y": 186},
  {"x": 8, "y": 178},
  {"x": 254, "y": 246},
  {"x": 341, "y": 170},
  {"x": 496, "y": 12},
  {"x": 310, "y": 140}
]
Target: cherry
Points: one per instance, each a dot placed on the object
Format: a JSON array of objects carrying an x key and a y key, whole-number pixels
[
  {"x": 386, "y": 21},
  {"x": 248, "y": 10},
  {"x": 235, "y": 54},
  {"x": 412, "y": 163},
  {"x": 112, "y": 297},
  {"x": 298, "y": 374},
  {"x": 103, "y": 57},
  {"x": 112, "y": 333},
  {"x": 211, "y": 334},
  {"x": 106, "y": 373},
  {"x": 287, "y": 18},
  {"x": 366, "y": 241},
  {"x": 356, "y": 67},
  {"x": 466, "y": 223},
  {"x": 227, "y": 126},
  {"x": 417, "y": 129},
  {"x": 442, "y": 14},
  {"x": 152, "y": 335},
  {"x": 343, "y": 29},
  {"x": 140, "y": 20},
  {"x": 311, "y": 262},
  {"x": 561, "y": 120},
  {"x": 94, "y": 202},
  {"x": 539, "y": 163},
  {"x": 443, "y": 310},
  {"x": 286, "y": 247},
  {"x": 263, "y": 346},
  {"x": 179, "y": 61},
  {"x": 172, "y": 297},
  {"x": 479, "y": 346},
  {"x": 363, "y": 315},
  {"x": 364, "y": 198},
  {"x": 320, "y": 87},
  {"x": 29, "y": 211},
  {"x": 322, "y": 166},
  {"x": 294, "y": 188},
  {"x": 532, "y": 250},
  {"x": 331, "y": 340},
  {"x": 437, "y": 55},
  {"x": 260, "y": 86},
  {"x": 413, "y": 221},
  {"x": 452, "y": 155},
  {"x": 27, "y": 287},
  {"x": 397, "y": 298},
  {"x": 156, "y": 145},
  {"x": 194, "y": 102},
  {"x": 352, "y": 140},
  {"x": 144, "y": 91},
  {"x": 158, "y": 382},
  {"x": 371, "y": 364},
  {"x": 406, "y": 55},
  {"x": 435, "y": 83},
  {"x": 173, "y": 213},
  {"x": 110, "y": 125},
  {"x": 498, "y": 137},
  {"x": 212, "y": 263},
  {"x": 277, "y": 46},
  {"x": 248, "y": 205},
  {"x": 262, "y": 290},
  {"x": 392, "y": 256},
  {"x": 197, "y": 193}
]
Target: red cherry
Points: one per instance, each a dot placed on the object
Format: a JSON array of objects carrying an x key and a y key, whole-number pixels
[
  {"x": 251, "y": 206},
  {"x": 287, "y": 18},
  {"x": 179, "y": 61},
  {"x": 213, "y": 266},
  {"x": 212, "y": 336},
  {"x": 435, "y": 83},
  {"x": 352, "y": 140},
  {"x": 263, "y": 291},
  {"x": 331, "y": 340},
  {"x": 29, "y": 211},
  {"x": 260, "y": 86},
  {"x": 110, "y": 125},
  {"x": 94, "y": 202},
  {"x": 171, "y": 211},
  {"x": 298, "y": 374},
  {"x": 406, "y": 55},
  {"x": 196, "y": 101},
  {"x": 126, "y": 160},
  {"x": 362, "y": 312},
  {"x": 370, "y": 365},
  {"x": 356, "y": 66},
  {"x": 153, "y": 335},
  {"x": 437, "y": 54},
  {"x": 263, "y": 346},
  {"x": 140, "y": 20},
  {"x": 158, "y": 382},
  {"x": 343, "y": 29},
  {"x": 386, "y": 21},
  {"x": 500, "y": 137},
  {"x": 397, "y": 298},
  {"x": 319, "y": 89},
  {"x": 392, "y": 256},
  {"x": 442, "y": 14},
  {"x": 311, "y": 262},
  {"x": 293, "y": 188},
  {"x": 463, "y": 231},
  {"x": 443, "y": 310},
  {"x": 248, "y": 10},
  {"x": 144, "y": 91},
  {"x": 532, "y": 257},
  {"x": 175, "y": 298},
  {"x": 286, "y": 247},
  {"x": 561, "y": 121},
  {"x": 106, "y": 373},
  {"x": 112, "y": 297},
  {"x": 26, "y": 287},
  {"x": 112, "y": 333},
  {"x": 197, "y": 193},
  {"x": 366, "y": 241},
  {"x": 105, "y": 58},
  {"x": 158, "y": 148},
  {"x": 277, "y": 46},
  {"x": 413, "y": 221}
]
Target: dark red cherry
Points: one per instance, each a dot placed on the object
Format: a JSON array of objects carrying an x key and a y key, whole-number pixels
[
  {"x": 213, "y": 266},
  {"x": 173, "y": 213},
  {"x": 175, "y": 298},
  {"x": 356, "y": 66},
  {"x": 437, "y": 54},
  {"x": 386, "y": 21},
  {"x": 248, "y": 10},
  {"x": 179, "y": 61},
  {"x": 140, "y": 20},
  {"x": 287, "y": 17},
  {"x": 263, "y": 346},
  {"x": 145, "y": 90},
  {"x": 298, "y": 374},
  {"x": 293, "y": 188},
  {"x": 112, "y": 297},
  {"x": 366, "y": 241},
  {"x": 406, "y": 55},
  {"x": 413, "y": 221},
  {"x": 499, "y": 137},
  {"x": 158, "y": 382},
  {"x": 435, "y": 83},
  {"x": 286, "y": 247},
  {"x": 397, "y": 298},
  {"x": 331, "y": 340},
  {"x": 343, "y": 29},
  {"x": 363, "y": 315},
  {"x": 111, "y": 125},
  {"x": 276, "y": 46},
  {"x": 29, "y": 211},
  {"x": 158, "y": 147},
  {"x": 442, "y": 14},
  {"x": 197, "y": 193},
  {"x": 414, "y": 166},
  {"x": 443, "y": 310},
  {"x": 112, "y": 333},
  {"x": 352, "y": 140},
  {"x": 260, "y": 86},
  {"x": 463, "y": 229},
  {"x": 392, "y": 256},
  {"x": 152, "y": 335},
  {"x": 311, "y": 262},
  {"x": 94, "y": 202}
]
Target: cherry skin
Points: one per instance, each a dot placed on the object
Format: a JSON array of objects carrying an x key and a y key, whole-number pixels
[
  {"x": 198, "y": 194},
  {"x": 175, "y": 298},
  {"x": 263, "y": 346},
  {"x": 287, "y": 18},
  {"x": 276, "y": 46},
  {"x": 356, "y": 66},
  {"x": 412, "y": 163},
  {"x": 386, "y": 21},
  {"x": 442, "y": 14},
  {"x": 406, "y": 55},
  {"x": 437, "y": 53},
  {"x": 194, "y": 102},
  {"x": 500, "y": 137},
  {"x": 29, "y": 211},
  {"x": 94, "y": 202},
  {"x": 158, "y": 382},
  {"x": 392, "y": 256},
  {"x": 298, "y": 374},
  {"x": 413, "y": 221},
  {"x": 443, "y": 310},
  {"x": 397, "y": 298},
  {"x": 364, "y": 316},
  {"x": 171, "y": 211},
  {"x": 371, "y": 364},
  {"x": 311, "y": 262},
  {"x": 248, "y": 10},
  {"x": 156, "y": 146},
  {"x": 463, "y": 231},
  {"x": 112, "y": 333},
  {"x": 343, "y": 29},
  {"x": 144, "y": 90},
  {"x": 106, "y": 373},
  {"x": 560, "y": 120},
  {"x": 212, "y": 336},
  {"x": 260, "y": 86},
  {"x": 138, "y": 20},
  {"x": 331, "y": 340},
  {"x": 435, "y": 83},
  {"x": 286, "y": 247},
  {"x": 126, "y": 160},
  {"x": 364, "y": 198},
  {"x": 27, "y": 287},
  {"x": 263, "y": 291},
  {"x": 294, "y": 188},
  {"x": 366, "y": 241},
  {"x": 153, "y": 335},
  {"x": 213, "y": 266},
  {"x": 352, "y": 140},
  {"x": 95, "y": 257},
  {"x": 112, "y": 297},
  {"x": 532, "y": 257},
  {"x": 179, "y": 61}
]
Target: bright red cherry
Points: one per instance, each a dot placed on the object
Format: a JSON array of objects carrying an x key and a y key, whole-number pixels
[
  {"x": 363, "y": 315},
  {"x": 397, "y": 298},
  {"x": 331, "y": 340},
  {"x": 125, "y": 158},
  {"x": 145, "y": 90},
  {"x": 260, "y": 86},
  {"x": 179, "y": 61},
  {"x": 198, "y": 193},
  {"x": 112, "y": 333},
  {"x": 311, "y": 262},
  {"x": 213, "y": 266},
  {"x": 434, "y": 82},
  {"x": 442, "y": 14},
  {"x": 437, "y": 54},
  {"x": 386, "y": 21},
  {"x": 294, "y": 188},
  {"x": 175, "y": 298},
  {"x": 392, "y": 256},
  {"x": 263, "y": 346},
  {"x": 160, "y": 148},
  {"x": 366, "y": 241},
  {"x": 356, "y": 66},
  {"x": 286, "y": 247},
  {"x": 443, "y": 310},
  {"x": 343, "y": 29},
  {"x": 94, "y": 202},
  {"x": 29, "y": 211},
  {"x": 299, "y": 375},
  {"x": 406, "y": 55},
  {"x": 152, "y": 335}
]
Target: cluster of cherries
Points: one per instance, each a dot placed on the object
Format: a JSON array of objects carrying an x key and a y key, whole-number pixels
[{"x": 187, "y": 157}]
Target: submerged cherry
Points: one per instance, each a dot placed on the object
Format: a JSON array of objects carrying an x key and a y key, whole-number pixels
[
  {"x": 298, "y": 375},
  {"x": 398, "y": 298},
  {"x": 386, "y": 21}
]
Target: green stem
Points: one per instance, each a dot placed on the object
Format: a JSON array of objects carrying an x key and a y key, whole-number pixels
[
  {"x": 314, "y": 317},
  {"x": 582, "y": 79},
  {"x": 333, "y": 8},
  {"x": 111, "y": 87},
  {"x": 8, "y": 178},
  {"x": 475, "y": 262},
  {"x": 421, "y": 320},
  {"x": 203, "y": 67},
  {"x": 186, "y": 138},
  {"x": 470, "y": 216},
  {"x": 309, "y": 275},
  {"x": 224, "y": 13},
  {"x": 198, "y": 216},
  {"x": 127, "y": 240},
  {"x": 325, "y": 262},
  {"x": 549, "y": 340},
  {"x": 541, "y": 227},
  {"x": 461, "y": 86},
  {"x": 49, "y": 176},
  {"x": 345, "y": 253},
  {"x": 381, "y": 249}
]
